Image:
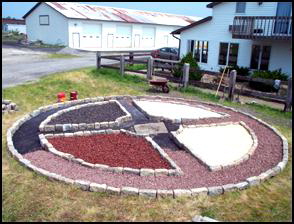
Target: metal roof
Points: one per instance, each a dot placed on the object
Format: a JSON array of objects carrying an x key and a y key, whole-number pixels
[
  {"x": 13, "y": 21},
  {"x": 93, "y": 12}
]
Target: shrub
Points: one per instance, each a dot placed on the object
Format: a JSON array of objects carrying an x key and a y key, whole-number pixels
[
  {"x": 272, "y": 75},
  {"x": 276, "y": 74},
  {"x": 194, "y": 72},
  {"x": 243, "y": 71}
]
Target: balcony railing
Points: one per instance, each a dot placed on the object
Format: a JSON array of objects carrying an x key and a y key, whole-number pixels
[{"x": 262, "y": 27}]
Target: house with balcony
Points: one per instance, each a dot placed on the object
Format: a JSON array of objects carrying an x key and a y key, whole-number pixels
[{"x": 257, "y": 35}]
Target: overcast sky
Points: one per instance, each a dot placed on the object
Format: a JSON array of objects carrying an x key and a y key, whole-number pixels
[{"x": 19, "y": 9}]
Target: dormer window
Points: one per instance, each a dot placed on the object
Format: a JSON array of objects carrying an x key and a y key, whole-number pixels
[{"x": 240, "y": 7}]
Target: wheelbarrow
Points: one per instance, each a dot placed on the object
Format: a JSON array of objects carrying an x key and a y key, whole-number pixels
[{"x": 161, "y": 83}]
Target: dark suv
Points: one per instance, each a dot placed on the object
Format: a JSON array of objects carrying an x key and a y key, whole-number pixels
[{"x": 170, "y": 53}]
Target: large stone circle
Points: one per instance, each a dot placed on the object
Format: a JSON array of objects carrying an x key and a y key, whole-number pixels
[{"x": 267, "y": 154}]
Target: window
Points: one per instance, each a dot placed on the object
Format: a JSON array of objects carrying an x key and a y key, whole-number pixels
[
  {"x": 223, "y": 51},
  {"x": 233, "y": 54},
  {"x": 44, "y": 20},
  {"x": 228, "y": 54},
  {"x": 260, "y": 57},
  {"x": 204, "y": 54},
  {"x": 199, "y": 50},
  {"x": 240, "y": 7}
]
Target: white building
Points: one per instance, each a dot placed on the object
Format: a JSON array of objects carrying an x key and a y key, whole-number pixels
[
  {"x": 14, "y": 25},
  {"x": 93, "y": 27},
  {"x": 257, "y": 35}
]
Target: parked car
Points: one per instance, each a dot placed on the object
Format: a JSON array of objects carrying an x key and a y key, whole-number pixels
[{"x": 170, "y": 53}]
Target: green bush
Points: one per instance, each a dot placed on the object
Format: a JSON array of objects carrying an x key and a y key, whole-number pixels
[
  {"x": 267, "y": 87},
  {"x": 194, "y": 72},
  {"x": 276, "y": 74},
  {"x": 243, "y": 71}
]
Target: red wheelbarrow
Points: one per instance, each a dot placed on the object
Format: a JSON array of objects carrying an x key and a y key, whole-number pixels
[{"x": 161, "y": 83}]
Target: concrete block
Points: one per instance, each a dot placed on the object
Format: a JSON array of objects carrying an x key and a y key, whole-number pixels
[
  {"x": 198, "y": 191},
  {"x": 182, "y": 192},
  {"x": 146, "y": 172},
  {"x": 98, "y": 187},
  {"x": 129, "y": 190},
  {"x": 147, "y": 193},
  {"x": 215, "y": 190},
  {"x": 85, "y": 185}
]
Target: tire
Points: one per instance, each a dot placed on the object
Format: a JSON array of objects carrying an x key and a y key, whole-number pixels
[{"x": 165, "y": 89}]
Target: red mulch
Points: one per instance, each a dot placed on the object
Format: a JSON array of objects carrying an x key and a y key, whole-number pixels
[{"x": 115, "y": 150}]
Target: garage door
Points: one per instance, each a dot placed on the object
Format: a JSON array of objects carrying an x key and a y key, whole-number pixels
[
  {"x": 123, "y": 38},
  {"x": 91, "y": 36},
  {"x": 148, "y": 37}
]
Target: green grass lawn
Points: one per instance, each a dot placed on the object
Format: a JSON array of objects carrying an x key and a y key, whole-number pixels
[
  {"x": 136, "y": 66},
  {"x": 27, "y": 196},
  {"x": 56, "y": 55}
]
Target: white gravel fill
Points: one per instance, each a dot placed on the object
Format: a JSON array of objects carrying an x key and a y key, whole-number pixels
[
  {"x": 218, "y": 145},
  {"x": 174, "y": 111}
]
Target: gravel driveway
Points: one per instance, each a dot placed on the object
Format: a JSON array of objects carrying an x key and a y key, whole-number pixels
[{"x": 20, "y": 65}]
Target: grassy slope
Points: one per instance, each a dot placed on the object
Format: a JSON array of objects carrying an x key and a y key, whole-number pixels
[
  {"x": 28, "y": 196},
  {"x": 55, "y": 55}
]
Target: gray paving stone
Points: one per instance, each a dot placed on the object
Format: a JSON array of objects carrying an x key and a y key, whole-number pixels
[
  {"x": 147, "y": 193},
  {"x": 131, "y": 170},
  {"x": 199, "y": 191},
  {"x": 129, "y": 190},
  {"x": 165, "y": 193},
  {"x": 150, "y": 128},
  {"x": 113, "y": 190},
  {"x": 98, "y": 187},
  {"x": 215, "y": 190},
  {"x": 242, "y": 185},
  {"x": 146, "y": 172},
  {"x": 229, "y": 187},
  {"x": 161, "y": 172},
  {"x": 67, "y": 127},
  {"x": 182, "y": 192},
  {"x": 85, "y": 185}
]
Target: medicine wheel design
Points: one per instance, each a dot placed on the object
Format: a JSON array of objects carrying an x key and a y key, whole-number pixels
[{"x": 148, "y": 146}]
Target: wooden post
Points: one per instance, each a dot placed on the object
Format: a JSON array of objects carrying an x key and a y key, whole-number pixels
[
  {"x": 131, "y": 57},
  {"x": 232, "y": 82},
  {"x": 150, "y": 68},
  {"x": 288, "y": 103},
  {"x": 186, "y": 69},
  {"x": 98, "y": 60},
  {"x": 122, "y": 65}
]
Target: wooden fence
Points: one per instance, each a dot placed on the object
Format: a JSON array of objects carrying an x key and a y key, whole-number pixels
[{"x": 230, "y": 88}]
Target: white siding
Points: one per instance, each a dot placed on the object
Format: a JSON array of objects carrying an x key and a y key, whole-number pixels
[
  {"x": 217, "y": 30},
  {"x": 54, "y": 33}
]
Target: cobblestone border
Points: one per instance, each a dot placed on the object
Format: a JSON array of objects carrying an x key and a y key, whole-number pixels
[
  {"x": 176, "y": 171},
  {"x": 178, "y": 121},
  {"x": 85, "y": 185},
  {"x": 173, "y": 135},
  {"x": 45, "y": 127}
]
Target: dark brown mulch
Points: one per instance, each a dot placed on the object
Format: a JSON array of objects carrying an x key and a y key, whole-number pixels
[{"x": 97, "y": 113}]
